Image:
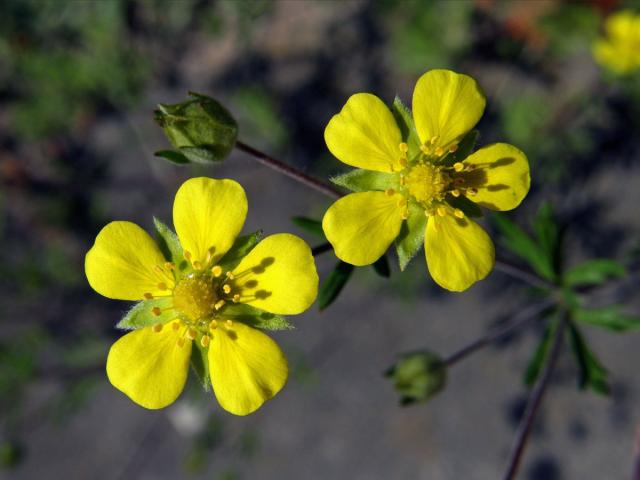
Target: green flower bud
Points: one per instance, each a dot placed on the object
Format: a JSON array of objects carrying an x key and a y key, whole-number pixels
[
  {"x": 201, "y": 129},
  {"x": 418, "y": 376}
]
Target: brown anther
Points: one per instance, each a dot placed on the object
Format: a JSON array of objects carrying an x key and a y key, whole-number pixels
[
  {"x": 403, "y": 162},
  {"x": 434, "y": 139},
  {"x": 204, "y": 341},
  {"x": 157, "y": 327},
  {"x": 390, "y": 192},
  {"x": 453, "y": 148},
  {"x": 148, "y": 296},
  {"x": 180, "y": 342},
  {"x": 471, "y": 191},
  {"x": 175, "y": 325},
  {"x": 156, "y": 311},
  {"x": 402, "y": 180},
  {"x": 192, "y": 333},
  {"x": 213, "y": 324},
  {"x": 162, "y": 286},
  {"x": 169, "y": 265},
  {"x": 197, "y": 265},
  {"x": 402, "y": 202}
]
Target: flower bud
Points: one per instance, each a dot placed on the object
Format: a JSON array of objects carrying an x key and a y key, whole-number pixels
[
  {"x": 418, "y": 376},
  {"x": 201, "y": 129}
]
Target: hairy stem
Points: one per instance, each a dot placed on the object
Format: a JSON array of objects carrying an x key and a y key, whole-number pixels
[
  {"x": 533, "y": 404},
  {"x": 522, "y": 318}
]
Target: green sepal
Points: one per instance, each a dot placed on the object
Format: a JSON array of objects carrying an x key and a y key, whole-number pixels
[
  {"x": 173, "y": 157},
  {"x": 418, "y": 376},
  {"x": 520, "y": 243},
  {"x": 465, "y": 148},
  {"x": 240, "y": 249},
  {"x": 469, "y": 208},
  {"x": 382, "y": 267},
  {"x": 140, "y": 315},
  {"x": 405, "y": 122},
  {"x": 593, "y": 375},
  {"x": 593, "y": 272},
  {"x": 255, "y": 317},
  {"x": 609, "y": 317},
  {"x": 170, "y": 245},
  {"x": 411, "y": 236},
  {"x": 540, "y": 355},
  {"x": 360, "y": 180},
  {"x": 200, "y": 365},
  {"x": 334, "y": 284},
  {"x": 310, "y": 225}
]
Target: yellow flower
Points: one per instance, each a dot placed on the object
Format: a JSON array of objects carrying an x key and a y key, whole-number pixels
[
  {"x": 201, "y": 297},
  {"x": 619, "y": 50},
  {"x": 417, "y": 180}
]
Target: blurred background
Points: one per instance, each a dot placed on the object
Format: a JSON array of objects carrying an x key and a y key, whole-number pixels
[{"x": 78, "y": 84}]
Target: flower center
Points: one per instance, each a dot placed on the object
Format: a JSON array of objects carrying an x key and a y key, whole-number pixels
[
  {"x": 195, "y": 297},
  {"x": 426, "y": 182}
]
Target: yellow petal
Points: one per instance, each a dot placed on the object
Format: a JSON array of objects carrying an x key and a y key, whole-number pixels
[
  {"x": 459, "y": 252},
  {"x": 361, "y": 226},
  {"x": 365, "y": 135},
  {"x": 123, "y": 263},
  {"x": 247, "y": 368},
  {"x": 446, "y": 105},
  {"x": 150, "y": 367},
  {"x": 208, "y": 215},
  {"x": 501, "y": 176},
  {"x": 278, "y": 275}
]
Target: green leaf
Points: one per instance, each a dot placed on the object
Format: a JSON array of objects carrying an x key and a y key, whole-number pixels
[
  {"x": 255, "y": 317},
  {"x": 140, "y": 315},
  {"x": 170, "y": 245},
  {"x": 465, "y": 148},
  {"x": 200, "y": 365},
  {"x": 539, "y": 357},
  {"x": 174, "y": 157},
  {"x": 241, "y": 248},
  {"x": 469, "y": 208},
  {"x": 547, "y": 232},
  {"x": 520, "y": 243},
  {"x": 310, "y": 225},
  {"x": 381, "y": 267},
  {"x": 594, "y": 272},
  {"x": 407, "y": 126},
  {"x": 411, "y": 236},
  {"x": 334, "y": 284},
  {"x": 418, "y": 376},
  {"x": 592, "y": 374},
  {"x": 201, "y": 155},
  {"x": 608, "y": 317},
  {"x": 359, "y": 180}
]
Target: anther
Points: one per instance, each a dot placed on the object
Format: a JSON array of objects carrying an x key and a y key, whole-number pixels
[
  {"x": 162, "y": 286},
  {"x": 219, "y": 304},
  {"x": 403, "y": 180},
  {"x": 455, "y": 192},
  {"x": 197, "y": 265},
  {"x": 187, "y": 255},
  {"x": 180, "y": 342},
  {"x": 226, "y": 288},
  {"x": 403, "y": 162},
  {"x": 175, "y": 325},
  {"x": 216, "y": 271},
  {"x": 230, "y": 275},
  {"x": 148, "y": 296},
  {"x": 405, "y": 214},
  {"x": 236, "y": 298},
  {"x": 425, "y": 149},
  {"x": 472, "y": 191},
  {"x": 192, "y": 334},
  {"x": 205, "y": 340},
  {"x": 441, "y": 211},
  {"x": 402, "y": 202},
  {"x": 390, "y": 192},
  {"x": 439, "y": 151},
  {"x": 458, "y": 213},
  {"x": 157, "y": 327},
  {"x": 156, "y": 311},
  {"x": 404, "y": 148},
  {"x": 453, "y": 148},
  {"x": 458, "y": 166},
  {"x": 169, "y": 265},
  {"x": 228, "y": 323},
  {"x": 434, "y": 139},
  {"x": 213, "y": 324}
]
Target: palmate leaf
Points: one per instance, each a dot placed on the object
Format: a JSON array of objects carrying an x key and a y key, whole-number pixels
[
  {"x": 540, "y": 355},
  {"x": 593, "y": 375},
  {"x": 334, "y": 284},
  {"x": 593, "y": 272}
]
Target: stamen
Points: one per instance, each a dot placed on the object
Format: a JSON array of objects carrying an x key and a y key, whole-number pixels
[
  {"x": 228, "y": 323},
  {"x": 157, "y": 327},
  {"x": 403, "y": 162},
  {"x": 213, "y": 324},
  {"x": 405, "y": 214},
  {"x": 441, "y": 211},
  {"x": 187, "y": 255},
  {"x": 219, "y": 304},
  {"x": 156, "y": 311},
  {"x": 192, "y": 334},
  {"x": 148, "y": 296},
  {"x": 434, "y": 139},
  {"x": 205, "y": 340},
  {"x": 226, "y": 289},
  {"x": 453, "y": 148},
  {"x": 439, "y": 151},
  {"x": 169, "y": 265},
  {"x": 458, "y": 213},
  {"x": 162, "y": 286},
  {"x": 455, "y": 192},
  {"x": 216, "y": 271},
  {"x": 197, "y": 265},
  {"x": 230, "y": 275},
  {"x": 402, "y": 202},
  {"x": 402, "y": 180},
  {"x": 471, "y": 191},
  {"x": 175, "y": 325},
  {"x": 180, "y": 342},
  {"x": 425, "y": 149},
  {"x": 458, "y": 166},
  {"x": 236, "y": 298},
  {"x": 404, "y": 148},
  {"x": 390, "y": 192}
]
